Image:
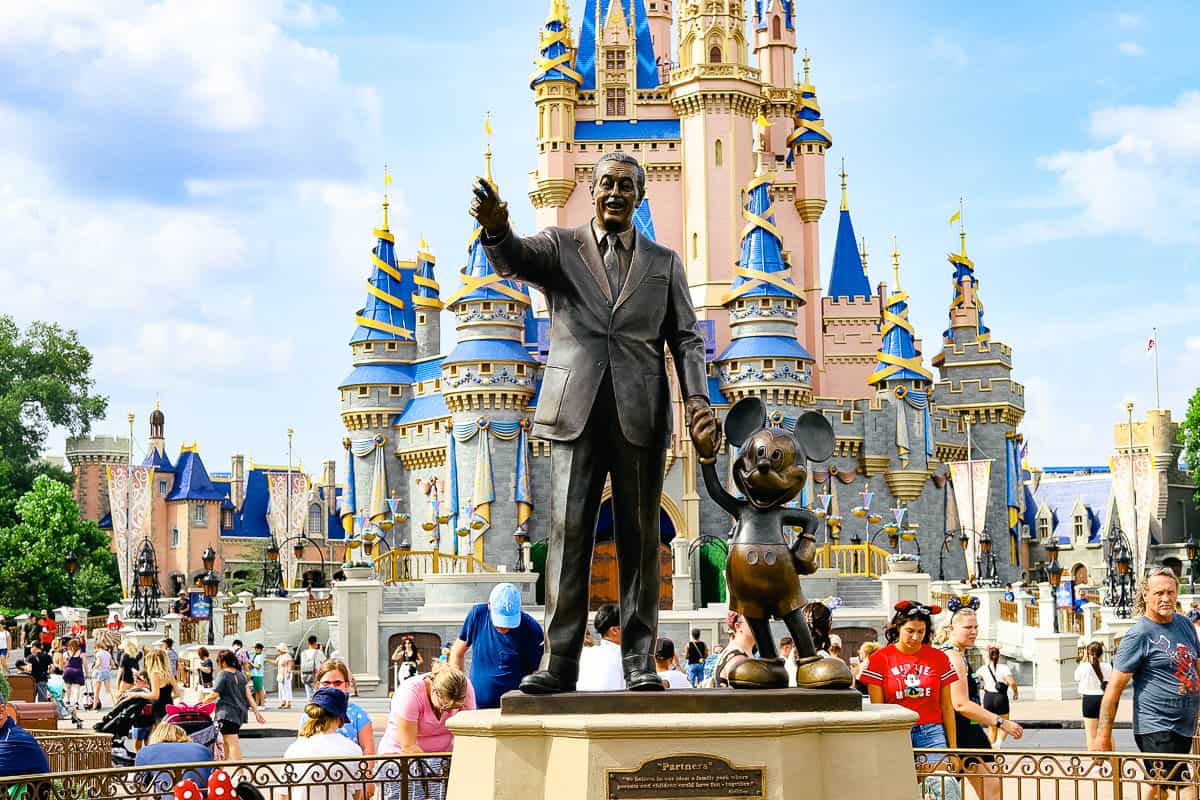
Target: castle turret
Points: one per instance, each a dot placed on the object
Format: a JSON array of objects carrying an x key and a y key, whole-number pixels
[
  {"x": 717, "y": 95},
  {"x": 488, "y": 382},
  {"x": 764, "y": 358},
  {"x": 158, "y": 439},
  {"x": 850, "y": 315},
  {"x": 899, "y": 359},
  {"x": 660, "y": 15},
  {"x": 775, "y": 42},
  {"x": 807, "y": 144},
  {"x": 427, "y": 305},
  {"x": 555, "y": 85}
]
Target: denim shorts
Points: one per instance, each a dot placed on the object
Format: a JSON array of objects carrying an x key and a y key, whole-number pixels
[{"x": 931, "y": 734}]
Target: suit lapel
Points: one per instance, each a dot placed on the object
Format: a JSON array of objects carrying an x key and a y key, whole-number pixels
[
  {"x": 637, "y": 270},
  {"x": 589, "y": 252}
]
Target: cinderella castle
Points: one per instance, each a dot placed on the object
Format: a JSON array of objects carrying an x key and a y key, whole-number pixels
[{"x": 734, "y": 148}]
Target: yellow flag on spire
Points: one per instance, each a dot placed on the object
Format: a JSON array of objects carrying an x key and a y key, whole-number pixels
[
  {"x": 955, "y": 217},
  {"x": 762, "y": 121},
  {"x": 487, "y": 124},
  {"x": 387, "y": 176},
  {"x": 424, "y": 246}
]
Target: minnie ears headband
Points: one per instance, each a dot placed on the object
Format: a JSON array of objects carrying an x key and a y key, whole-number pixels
[
  {"x": 831, "y": 602},
  {"x": 960, "y": 601},
  {"x": 912, "y": 609}
]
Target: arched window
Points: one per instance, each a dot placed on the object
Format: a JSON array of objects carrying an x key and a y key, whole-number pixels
[
  {"x": 714, "y": 54},
  {"x": 315, "y": 519},
  {"x": 695, "y": 245},
  {"x": 776, "y": 32},
  {"x": 718, "y": 155},
  {"x": 542, "y": 122}
]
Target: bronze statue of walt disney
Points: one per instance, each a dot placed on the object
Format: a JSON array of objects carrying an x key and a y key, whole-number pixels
[{"x": 616, "y": 301}]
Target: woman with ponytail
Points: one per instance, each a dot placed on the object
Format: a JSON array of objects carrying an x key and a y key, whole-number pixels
[
  {"x": 1092, "y": 676},
  {"x": 319, "y": 739}
]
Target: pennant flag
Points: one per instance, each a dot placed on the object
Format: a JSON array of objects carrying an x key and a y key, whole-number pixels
[
  {"x": 955, "y": 217},
  {"x": 487, "y": 124},
  {"x": 1151, "y": 345},
  {"x": 762, "y": 121}
]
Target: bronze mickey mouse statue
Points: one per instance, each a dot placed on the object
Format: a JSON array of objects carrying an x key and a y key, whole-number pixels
[{"x": 762, "y": 572}]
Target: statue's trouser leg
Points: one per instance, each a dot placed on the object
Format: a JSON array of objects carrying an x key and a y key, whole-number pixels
[
  {"x": 801, "y": 635},
  {"x": 762, "y": 636},
  {"x": 578, "y": 470}
]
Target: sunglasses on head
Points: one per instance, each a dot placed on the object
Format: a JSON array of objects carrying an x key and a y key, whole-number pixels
[{"x": 1160, "y": 570}]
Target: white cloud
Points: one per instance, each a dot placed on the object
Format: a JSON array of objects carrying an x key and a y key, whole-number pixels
[
  {"x": 166, "y": 351},
  {"x": 1144, "y": 182},
  {"x": 1131, "y": 49}
]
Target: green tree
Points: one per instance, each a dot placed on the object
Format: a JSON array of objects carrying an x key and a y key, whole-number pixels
[
  {"x": 1189, "y": 434},
  {"x": 44, "y": 380},
  {"x": 33, "y": 572}
]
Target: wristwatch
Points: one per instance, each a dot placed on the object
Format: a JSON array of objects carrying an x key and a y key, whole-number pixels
[{"x": 999, "y": 722}]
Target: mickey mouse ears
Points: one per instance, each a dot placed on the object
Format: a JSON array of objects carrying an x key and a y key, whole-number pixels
[
  {"x": 961, "y": 601},
  {"x": 747, "y": 415}
]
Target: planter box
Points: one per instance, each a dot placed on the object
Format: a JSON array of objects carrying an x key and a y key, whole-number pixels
[{"x": 903, "y": 566}]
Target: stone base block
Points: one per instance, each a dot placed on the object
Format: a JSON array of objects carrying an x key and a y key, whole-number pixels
[{"x": 703, "y": 756}]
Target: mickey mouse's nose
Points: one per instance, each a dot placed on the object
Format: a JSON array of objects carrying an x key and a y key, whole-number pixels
[{"x": 764, "y": 467}]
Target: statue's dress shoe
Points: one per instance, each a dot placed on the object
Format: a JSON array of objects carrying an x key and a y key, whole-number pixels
[
  {"x": 759, "y": 673},
  {"x": 641, "y": 680},
  {"x": 545, "y": 682},
  {"x": 823, "y": 673}
]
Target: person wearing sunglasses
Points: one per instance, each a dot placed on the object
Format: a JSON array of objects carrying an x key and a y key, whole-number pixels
[{"x": 334, "y": 674}]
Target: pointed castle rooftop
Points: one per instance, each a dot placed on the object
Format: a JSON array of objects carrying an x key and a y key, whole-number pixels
[
  {"x": 848, "y": 278},
  {"x": 388, "y": 313},
  {"x": 597, "y": 14},
  {"x": 898, "y": 359},
  {"x": 556, "y": 59}
]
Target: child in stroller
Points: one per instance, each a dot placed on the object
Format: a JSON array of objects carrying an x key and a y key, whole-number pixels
[
  {"x": 138, "y": 712},
  {"x": 57, "y": 687}
]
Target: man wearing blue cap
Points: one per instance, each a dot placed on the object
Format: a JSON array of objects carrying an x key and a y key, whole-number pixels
[{"x": 506, "y": 645}]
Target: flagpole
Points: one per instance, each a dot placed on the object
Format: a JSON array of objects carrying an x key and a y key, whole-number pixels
[{"x": 1157, "y": 394}]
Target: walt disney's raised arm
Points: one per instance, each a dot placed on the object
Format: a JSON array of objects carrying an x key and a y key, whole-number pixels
[{"x": 533, "y": 259}]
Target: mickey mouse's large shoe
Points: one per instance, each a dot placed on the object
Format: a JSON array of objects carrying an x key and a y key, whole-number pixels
[
  {"x": 759, "y": 673},
  {"x": 823, "y": 673}
]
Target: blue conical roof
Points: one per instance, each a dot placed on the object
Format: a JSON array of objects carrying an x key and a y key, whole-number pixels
[
  {"x": 480, "y": 281},
  {"x": 643, "y": 220},
  {"x": 762, "y": 6},
  {"x": 556, "y": 61},
  {"x": 594, "y": 14},
  {"x": 964, "y": 275},
  {"x": 191, "y": 478},
  {"x": 807, "y": 125},
  {"x": 761, "y": 270},
  {"x": 848, "y": 278},
  {"x": 426, "y": 290},
  {"x": 898, "y": 359},
  {"x": 388, "y": 313}
]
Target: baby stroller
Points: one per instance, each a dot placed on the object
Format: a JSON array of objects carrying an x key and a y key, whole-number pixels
[
  {"x": 198, "y": 722},
  {"x": 127, "y": 714},
  {"x": 56, "y": 688}
]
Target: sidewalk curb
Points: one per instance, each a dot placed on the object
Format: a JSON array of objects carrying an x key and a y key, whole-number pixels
[{"x": 1065, "y": 724}]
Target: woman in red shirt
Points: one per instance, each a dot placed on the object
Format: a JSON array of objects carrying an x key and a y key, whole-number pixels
[{"x": 910, "y": 672}]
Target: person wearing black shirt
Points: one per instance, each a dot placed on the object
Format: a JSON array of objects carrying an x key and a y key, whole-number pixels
[{"x": 39, "y": 669}]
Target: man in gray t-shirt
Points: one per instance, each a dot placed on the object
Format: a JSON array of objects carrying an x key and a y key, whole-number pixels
[{"x": 1159, "y": 654}]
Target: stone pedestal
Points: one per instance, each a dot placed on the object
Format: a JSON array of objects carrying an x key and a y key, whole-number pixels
[
  {"x": 766, "y": 754},
  {"x": 1054, "y": 664},
  {"x": 897, "y": 586},
  {"x": 143, "y": 639},
  {"x": 454, "y": 594},
  {"x": 357, "y": 606}
]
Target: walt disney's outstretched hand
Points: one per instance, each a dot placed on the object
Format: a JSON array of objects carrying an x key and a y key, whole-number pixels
[
  {"x": 703, "y": 427},
  {"x": 488, "y": 208}
]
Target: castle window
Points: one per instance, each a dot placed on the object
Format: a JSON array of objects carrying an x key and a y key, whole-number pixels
[
  {"x": 420, "y": 319},
  {"x": 162, "y": 488},
  {"x": 200, "y": 514},
  {"x": 420, "y": 429},
  {"x": 512, "y": 308},
  {"x": 364, "y": 391},
  {"x": 1079, "y": 526},
  {"x": 810, "y": 148},
  {"x": 394, "y": 391},
  {"x": 615, "y": 102},
  {"x": 718, "y": 152},
  {"x": 520, "y": 369},
  {"x": 1043, "y": 528},
  {"x": 741, "y": 304},
  {"x": 227, "y": 519},
  {"x": 695, "y": 245},
  {"x": 315, "y": 518},
  {"x": 776, "y": 32},
  {"x": 368, "y": 348},
  {"x": 485, "y": 369},
  {"x": 391, "y": 346},
  {"x": 174, "y": 538},
  {"x": 453, "y": 371},
  {"x": 614, "y": 59},
  {"x": 437, "y": 383},
  {"x": 487, "y": 306},
  {"x": 654, "y": 145},
  {"x": 768, "y": 363},
  {"x": 670, "y": 145},
  {"x": 714, "y": 55}
]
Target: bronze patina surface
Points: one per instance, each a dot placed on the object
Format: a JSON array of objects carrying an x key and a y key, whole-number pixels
[{"x": 683, "y": 701}]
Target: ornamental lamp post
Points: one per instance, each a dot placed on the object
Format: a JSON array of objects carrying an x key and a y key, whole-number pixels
[
  {"x": 212, "y": 585},
  {"x": 1191, "y": 554},
  {"x": 1054, "y": 573},
  {"x": 72, "y": 565}
]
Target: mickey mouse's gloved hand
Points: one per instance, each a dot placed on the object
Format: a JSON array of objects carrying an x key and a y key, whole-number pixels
[{"x": 804, "y": 555}]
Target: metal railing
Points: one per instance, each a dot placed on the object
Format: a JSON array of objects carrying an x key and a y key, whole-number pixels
[
  {"x": 231, "y": 623},
  {"x": 1074, "y": 620},
  {"x": 294, "y": 611},
  {"x": 1008, "y": 611},
  {"x": 1057, "y": 775},
  {"x": 253, "y": 619},
  {"x": 854, "y": 560},
  {"x": 940, "y": 598},
  {"x": 399, "y": 776},
  {"x": 74, "y": 751},
  {"x": 403, "y": 566},
  {"x": 188, "y": 631},
  {"x": 317, "y": 609},
  {"x": 96, "y": 622}
]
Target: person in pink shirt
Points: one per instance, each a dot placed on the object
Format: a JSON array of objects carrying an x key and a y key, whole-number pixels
[{"x": 416, "y": 723}]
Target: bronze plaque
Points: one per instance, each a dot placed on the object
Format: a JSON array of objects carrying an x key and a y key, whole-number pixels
[{"x": 691, "y": 776}]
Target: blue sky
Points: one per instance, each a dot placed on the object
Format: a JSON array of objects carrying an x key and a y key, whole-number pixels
[{"x": 193, "y": 187}]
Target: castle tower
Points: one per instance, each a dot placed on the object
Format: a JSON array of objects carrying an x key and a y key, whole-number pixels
[
  {"x": 775, "y": 42},
  {"x": 716, "y": 95},
  {"x": 555, "y": 85},
  {"x": 850, "y": 315},
  {"x": 488, "y": 382},
  {"x": 807, "y": 144},
  {"x": 660, "y": 15},
  {"x": 89, "y": 458},
  {"x": 383, "y": 346},
  {"x": 427, "y": 305},
  {"x": 903, "y": 444},
  {"x": 975, "y": 385},
  {"x": 764, "y": 359},
  {"x": 158, "y": 439}
]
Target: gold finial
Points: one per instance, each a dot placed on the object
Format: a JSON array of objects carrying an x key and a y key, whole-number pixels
[
  {"x": 807, "y": 61},
  {"x": 962, "y": 229},
  {"x": 156, "y": 408},
  {"x": 487, "y": 155},
  {"x": 896, "y": 262},
  {"x": 863, "y": 254},
  {"x": 387, "y": 181},
  {"x": 843, "y": 175}
]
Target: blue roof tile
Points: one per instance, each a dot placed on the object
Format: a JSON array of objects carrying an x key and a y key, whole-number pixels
[
  {"x": 158, "y": 460},
  {"x": 621, "y": 130},
  {"x": 422, "y": 409},
  {"x": 192, "y": 481},
  {"x": 764, "y": 347},
  {"x": 585, "y": 63},
  {"x": 848, "y": 278},
  {"x": 489, "y": 350},
  {"x": 378, "y": 375},
  {"x": 1061, "y": 494},
  {"x": 427, "y": 370}
]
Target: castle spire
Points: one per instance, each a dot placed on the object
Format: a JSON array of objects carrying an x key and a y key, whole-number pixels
[
  {"x": 807, "y": 123},
  {"x": 761, "y": 270},
  {"x": 556, "y": 56},
  {"x": 849, "y": 275},
  {"x": 898, "y": 358},
  {"x": 862, "y": 252},
  {"x": 966, "y": 309},
  {"x": 597, "y": 15},
  {"x": 387, "y": 314}
]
